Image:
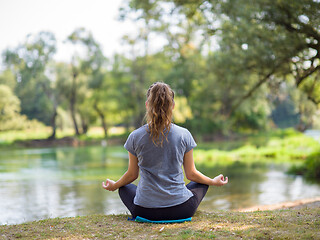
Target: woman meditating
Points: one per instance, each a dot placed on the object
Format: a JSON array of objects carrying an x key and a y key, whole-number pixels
[{"x": 158, "y": 150}]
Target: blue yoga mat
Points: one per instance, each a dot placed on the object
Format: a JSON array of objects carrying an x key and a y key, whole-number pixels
[{"x": 144, "y": 220}]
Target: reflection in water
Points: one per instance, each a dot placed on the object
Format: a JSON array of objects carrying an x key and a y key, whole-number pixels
[
  {"x": 60, "y": 182},
  {"x": 257, "y": 185}
]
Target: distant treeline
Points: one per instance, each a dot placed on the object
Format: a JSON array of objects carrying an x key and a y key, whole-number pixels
[{"x": 236, "y": 66}]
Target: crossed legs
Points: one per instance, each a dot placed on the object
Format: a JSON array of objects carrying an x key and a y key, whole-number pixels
[{"x": 184, "y": 210}]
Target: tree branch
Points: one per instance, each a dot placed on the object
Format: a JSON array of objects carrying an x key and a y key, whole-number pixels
[
  {"x": 252, "y": 90},
  {"x": 306, "y": 73},
  {"x": 312, "y": 99}
]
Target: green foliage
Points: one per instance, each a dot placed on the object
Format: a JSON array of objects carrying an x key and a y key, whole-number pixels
[
  {"x": 28, "y": 62},
  {"x": 9, "y": 103},
  {"x": 10, "y": 117},
  {"x": 7, "y": 78},
  {"x": 236, "y": 66},
  {"x": 86, "y": 78},
  {"x": 310, "y": 168},
  {"x": 182, "y": 110},
  {"x": 281, "y": 146},
  {"x": 261, "y": 45},
  {"x": 285, "y": 114}
]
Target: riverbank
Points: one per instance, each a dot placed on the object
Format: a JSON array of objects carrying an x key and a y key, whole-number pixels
[
  {"x": 298, "y": 204},
  {"x": 301, "y": 222},
  {"x": 39, "y": 138},
  {"x": 281, "y": 145}
]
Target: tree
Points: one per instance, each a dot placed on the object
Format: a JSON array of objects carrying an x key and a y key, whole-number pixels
[
  {"x": 140, "y": 64},
  {"x": 10, "y": 117},
  {"x": 7, "y": 78},
  {"x": 254, "y": 45},
  {"x": 279, "y": 38},
  {"x": 28, "y": 62},
  {"x": 59, "y": 89},
  {"x": 86, "y": 73}
]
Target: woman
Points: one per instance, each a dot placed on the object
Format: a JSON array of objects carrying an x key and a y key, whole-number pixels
[{"x": 159, "y": 149}]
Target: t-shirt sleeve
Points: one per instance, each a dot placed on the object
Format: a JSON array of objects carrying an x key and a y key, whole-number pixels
[
  {"x": 189, "y": 141},
  {"x": 129, "y": 145}
]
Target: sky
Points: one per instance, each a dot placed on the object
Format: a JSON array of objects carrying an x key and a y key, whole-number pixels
[{"x": 18, "y": 18}]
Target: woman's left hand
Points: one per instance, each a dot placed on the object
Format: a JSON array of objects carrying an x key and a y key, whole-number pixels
[
  {"x": 109, "y": 185},
  {"x": 220, "y": 180}
]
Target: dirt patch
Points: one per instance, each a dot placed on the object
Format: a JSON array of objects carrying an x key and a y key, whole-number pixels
[{"x": 298, "y": 204}]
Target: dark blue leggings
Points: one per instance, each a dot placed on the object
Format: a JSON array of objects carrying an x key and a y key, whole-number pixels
[{"x": 183, "y": 210}]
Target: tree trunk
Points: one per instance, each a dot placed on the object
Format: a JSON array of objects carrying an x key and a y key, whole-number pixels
[
  {"x": 53, "y": 98},
  {"x": 73, "y": 103},
  {"x": 85, "y": 126},
  {"x": 103, "y": 121},
  {"x": 53, "y": 122}
]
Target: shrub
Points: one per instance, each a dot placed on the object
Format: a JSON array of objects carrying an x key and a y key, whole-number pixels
[
  {"x": 310, "y": 168},
  {"x": 312, "y": 165}
]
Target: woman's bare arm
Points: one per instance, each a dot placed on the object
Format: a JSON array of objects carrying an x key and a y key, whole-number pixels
[
  {"x": 194, "y": 175},
  {"x": 128, "y": 177}
]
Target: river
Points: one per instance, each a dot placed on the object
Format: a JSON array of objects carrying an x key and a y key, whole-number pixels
[{"x": 65, "y": 182}]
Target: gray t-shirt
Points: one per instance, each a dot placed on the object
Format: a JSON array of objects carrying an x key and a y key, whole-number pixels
[{"x": 161, "y": 176}]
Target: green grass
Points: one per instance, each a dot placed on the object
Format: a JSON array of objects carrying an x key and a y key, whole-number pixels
[
  {"x": 278, "y": 224},
  {"x": 9, "y": 138},
  {"x": 275, "y": 146}
]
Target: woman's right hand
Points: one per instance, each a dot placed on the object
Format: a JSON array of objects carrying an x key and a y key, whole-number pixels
[{"x": 220, "y": 180}]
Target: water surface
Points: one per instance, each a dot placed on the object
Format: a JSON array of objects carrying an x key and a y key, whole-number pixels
[{"x": 64, "y": 182}]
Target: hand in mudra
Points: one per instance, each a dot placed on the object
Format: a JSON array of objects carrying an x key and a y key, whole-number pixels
[
  {"x": 108, "y": 185},
  {"x": 220, "y": 180}
]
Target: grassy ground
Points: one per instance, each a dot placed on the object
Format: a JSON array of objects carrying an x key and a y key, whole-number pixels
[
  {"x": 276, "y": 146},
  {"x": 302, "y": 223},
  {"x": 8, "y": 138}
]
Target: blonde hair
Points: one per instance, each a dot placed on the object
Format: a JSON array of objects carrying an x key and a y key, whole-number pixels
[{"x": 160, "y": 102}]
